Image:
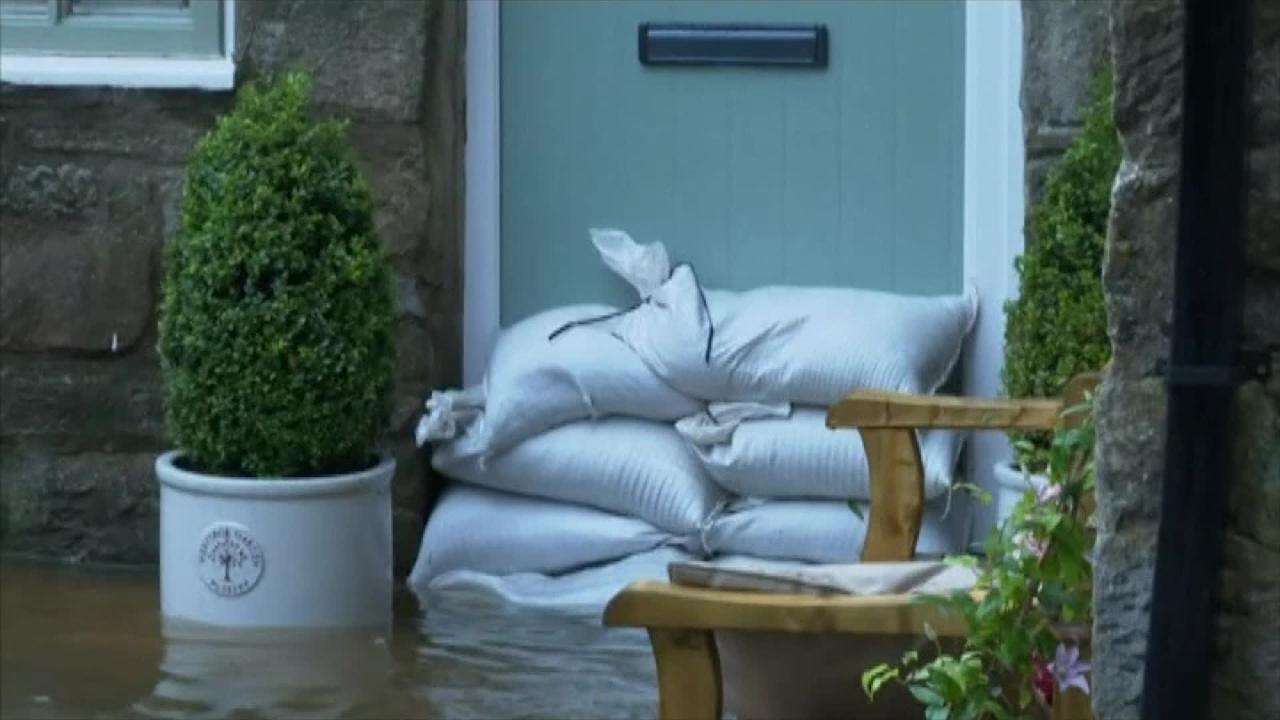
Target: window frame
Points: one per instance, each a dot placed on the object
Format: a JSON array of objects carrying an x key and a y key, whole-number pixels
[{"x": 151, "y": 60}]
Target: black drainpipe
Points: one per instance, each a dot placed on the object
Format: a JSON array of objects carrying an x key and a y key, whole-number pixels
[{"x": 1206, "y": 363}]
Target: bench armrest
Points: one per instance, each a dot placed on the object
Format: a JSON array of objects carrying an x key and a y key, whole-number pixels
[
  {"x": 887, "y": 422},
  {"x": 877, "y": 409}
]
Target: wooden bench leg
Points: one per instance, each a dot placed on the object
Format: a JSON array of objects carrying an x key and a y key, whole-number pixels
[
  {"x": 897, "y": 494},
  {"x": 1071, "y": 705},
  {"x": 688, "y": 674}
]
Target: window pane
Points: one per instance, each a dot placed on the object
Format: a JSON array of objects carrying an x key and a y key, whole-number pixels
[
  {"x": 24, "y": 9},
  {"x": 128, "y": 8},
  {"x": 139, "y": 28}
]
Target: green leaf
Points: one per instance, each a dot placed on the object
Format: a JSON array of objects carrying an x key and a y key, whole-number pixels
[
  {"x": 875, "y": 678},
  {"x": 937, "y": 712},
  {"x": 926, "y": 695}
]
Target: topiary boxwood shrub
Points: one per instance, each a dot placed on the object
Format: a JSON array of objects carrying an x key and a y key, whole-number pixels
[
  {"x": 276, "y": 316},
  {"x": 1057, "y": 327}
]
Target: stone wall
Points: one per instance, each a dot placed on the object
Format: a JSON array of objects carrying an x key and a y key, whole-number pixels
[
  {"x": 90, "y": 180},
  {"x": 1064, "y": 42},
  {"x": 1138, "y": 277}
]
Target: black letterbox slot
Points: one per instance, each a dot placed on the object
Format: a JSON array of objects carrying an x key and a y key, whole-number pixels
[{"x": 733, "y": 44}]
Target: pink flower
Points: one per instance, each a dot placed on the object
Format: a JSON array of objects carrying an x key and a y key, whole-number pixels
[
  {"x": 1069, "y": 670},
  {"x": 1048, "y": 493},
  {"x": 1032, "y": 544}
]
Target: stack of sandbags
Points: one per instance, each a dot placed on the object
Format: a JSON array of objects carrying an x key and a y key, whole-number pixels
[
  {"x": 591, "y": 437},
  {"x": 566, "y": 455},
  {"x": 770, "y": 361}
]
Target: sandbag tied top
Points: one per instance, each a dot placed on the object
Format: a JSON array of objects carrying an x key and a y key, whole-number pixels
[
  {"x": 536, "y": 382},
  {"x": 644, "y": 267},
  {"x": 806, "y": 345}
]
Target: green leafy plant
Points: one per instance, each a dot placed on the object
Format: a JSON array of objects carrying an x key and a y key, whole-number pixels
[
  {"x": 276, "y": 317},
  {"x": 1057, "y": 326},
  {"x": 1030, "y": 605}
]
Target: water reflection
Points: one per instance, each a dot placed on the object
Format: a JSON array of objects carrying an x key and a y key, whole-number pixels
[
  {"x": 488, "y": 659},
  {"x": 217, "y": 673},
  {"x": 84, "y": 645}
]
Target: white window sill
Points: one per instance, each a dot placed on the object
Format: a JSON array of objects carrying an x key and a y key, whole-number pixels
[{"x": 125, "y": 72}]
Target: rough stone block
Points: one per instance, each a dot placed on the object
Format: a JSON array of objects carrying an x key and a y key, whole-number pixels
[
  {"x": 1261, "y": 326},
  {"x": 1122, "y": 601},
  {"x": 1247, "y": 631},
  {"x": 1035, "y": 173},
  {"x": 409, "y": 497},
  {"x": 86, "y": 507},
  {"x": 409, "y": 297},
  {"x": 393, "y": 158},
  {"x": 1130, "y": 457},
  {"x": 73, "y": 286},
  {"x": 78, "y": 405},
  {"x": 136, "y": 130},
  {"x": 1064, "y": 43},
  {"x": 367, "y": 58},
  {"x": 406, "y": 529},
  {"x": 1146, "y": 39},
  {"x": 53, "y": 191},
  {"x": 1262, "y": 248},
  {"x": 78, "y": 256},
  {"x": 414, "y": 352},
  {"x": 1130, "y": 452},
  {"x": 1138, "y": 266}
]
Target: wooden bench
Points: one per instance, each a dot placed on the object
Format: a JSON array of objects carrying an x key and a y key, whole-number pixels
[{"x": 682, "y": 620}]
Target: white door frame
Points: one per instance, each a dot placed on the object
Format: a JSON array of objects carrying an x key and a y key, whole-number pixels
[
  {"x": 481, "y": 261},
  {"x": 993, "y": 193},
  {"x": 993, "y": 207}
]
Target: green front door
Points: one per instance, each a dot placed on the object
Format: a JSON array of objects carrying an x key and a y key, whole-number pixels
[{"x": 851, "y": 175}]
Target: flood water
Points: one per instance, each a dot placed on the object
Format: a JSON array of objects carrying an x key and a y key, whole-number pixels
[{"x": 81, "y": 644}]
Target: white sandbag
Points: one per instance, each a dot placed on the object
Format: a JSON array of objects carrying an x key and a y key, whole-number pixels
[
  {"x": 628, "y": 466},
  {"x": 806, "y": 345},
  {"x": 500, "y": 534},
  {"x": 584, "y": 592},
  {"x": 824, "y": 531},
  {"x": 536, "y": 382},
  {"x": 799, "y": 456}
]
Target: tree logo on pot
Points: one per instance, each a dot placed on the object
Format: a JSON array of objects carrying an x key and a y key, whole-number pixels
[{"x": 230, "y": 560}]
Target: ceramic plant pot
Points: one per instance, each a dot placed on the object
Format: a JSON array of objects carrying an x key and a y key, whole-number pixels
[
  {"x": 1011, "y": 483},
  {"x": 296, "y": 552}
]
